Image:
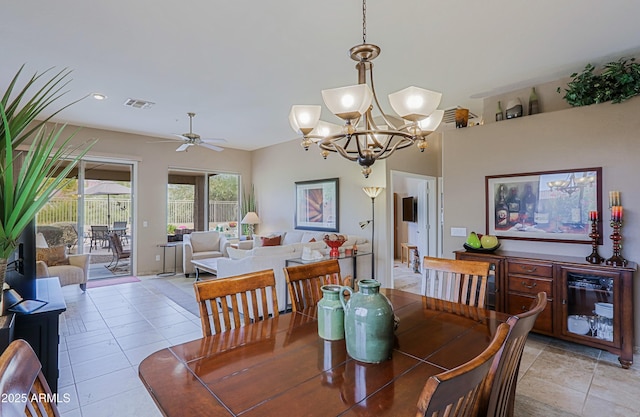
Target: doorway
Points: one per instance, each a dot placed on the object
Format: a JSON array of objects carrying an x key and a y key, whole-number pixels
[
  {"x": 420, "y": 231},
  {"x": 99, "y": 193}
]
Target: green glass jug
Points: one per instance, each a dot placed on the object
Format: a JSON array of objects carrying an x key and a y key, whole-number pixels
[
  {"x": 368, "y": 322},
  {"x": 330, "y": 313}
]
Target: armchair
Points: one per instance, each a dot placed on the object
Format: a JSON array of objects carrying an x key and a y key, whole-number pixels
[
  {"x": 70, "y": 269},
  {"x": 77, "y": 272},
  {"x": 201, "y": 245}
]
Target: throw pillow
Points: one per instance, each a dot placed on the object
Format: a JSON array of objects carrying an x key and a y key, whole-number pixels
[
  {"x": 313, "y": 239},
  {"x": 270, "y": 241},
  {"x": 56, "y": 255}
]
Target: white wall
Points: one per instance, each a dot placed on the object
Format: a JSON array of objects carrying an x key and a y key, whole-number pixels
[{"x": 603, "y": 135}]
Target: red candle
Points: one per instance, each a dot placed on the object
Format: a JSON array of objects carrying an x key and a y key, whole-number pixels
[
  {"x": 616, "y": 213},
  {"x": 593, "y": 215}
]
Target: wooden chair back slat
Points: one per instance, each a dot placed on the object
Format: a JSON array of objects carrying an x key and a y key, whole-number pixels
[
  {"x": 457, "y": 392},
  {"x": 220, "y": 297},
  {"x": 21, "y": 374},
  {"x": 460, "y": 281},
  {"x": 500, "y": 388},
  {"x": 304, "y": 282}
]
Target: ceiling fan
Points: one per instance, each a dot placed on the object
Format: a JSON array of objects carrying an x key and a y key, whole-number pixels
[{"x": 191, "y": 139}]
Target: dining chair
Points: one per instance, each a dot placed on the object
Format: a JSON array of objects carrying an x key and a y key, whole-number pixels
[
  {"x": 500, "y": 388},
  {"x": 218, "y": 300},
  {"x": 460, "y": 281},
  {"x": 99, "y": 234},
  {"x": 458, "y": 391},
  {"x": 25, "y": 391},
  {"x": 118, "y": 252},
  {"x": 304, "y": 282}
]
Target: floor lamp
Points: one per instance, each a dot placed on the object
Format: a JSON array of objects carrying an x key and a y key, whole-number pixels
[{"x": 372, "y": 192}]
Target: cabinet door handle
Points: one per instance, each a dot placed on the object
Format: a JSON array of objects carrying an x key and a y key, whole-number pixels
[
  {"x": 524, "y": 284},
  {"x": 524, "y": 308},
  {"x": 532, "y": 269}
]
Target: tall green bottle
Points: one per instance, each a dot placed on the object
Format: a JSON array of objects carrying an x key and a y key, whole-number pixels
[
  {"x": 534, "y": 106},
  {"x": 499, "y": 113}
]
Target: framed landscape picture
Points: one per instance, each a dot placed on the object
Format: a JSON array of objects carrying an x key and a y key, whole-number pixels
[
  {"x": 547, "y": 206},
  {"x": 317, "y": 205}
]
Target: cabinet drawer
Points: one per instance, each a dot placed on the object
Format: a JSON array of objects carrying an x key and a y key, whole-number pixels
[
  {"x": 517, "y": 304},
  {"x": 539, "y": 270},
  {"x": 529, "y": 285}
]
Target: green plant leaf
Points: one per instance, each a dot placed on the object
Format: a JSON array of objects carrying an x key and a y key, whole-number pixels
[{"x": 44, "y": 167}]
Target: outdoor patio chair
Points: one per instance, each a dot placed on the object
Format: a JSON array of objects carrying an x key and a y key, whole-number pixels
[
  {"x": 118, "y": 252},
  {"x": 99, "y": 234}
]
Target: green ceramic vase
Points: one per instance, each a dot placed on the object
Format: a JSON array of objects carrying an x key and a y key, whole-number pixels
[
  {"x": 330, "y": 313},
  {"x": 368, "y": 322}
]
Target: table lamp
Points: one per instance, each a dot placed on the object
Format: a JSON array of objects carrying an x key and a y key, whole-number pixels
[{"x": 251, "y": 218}]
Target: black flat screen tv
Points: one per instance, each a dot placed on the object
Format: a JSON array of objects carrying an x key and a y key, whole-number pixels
[{"x": 409, "y": 209}]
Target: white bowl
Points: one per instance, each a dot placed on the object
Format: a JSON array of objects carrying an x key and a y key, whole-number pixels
[
  {"x": 604, "y": 310},
  {"x": 578, "y": 324}
]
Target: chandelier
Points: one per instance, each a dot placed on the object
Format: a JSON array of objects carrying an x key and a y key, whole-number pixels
[{"x": 363, "y": 137}]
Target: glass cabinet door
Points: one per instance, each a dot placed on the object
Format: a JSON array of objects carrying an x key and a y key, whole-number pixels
[{"x": 590, "y": 305}]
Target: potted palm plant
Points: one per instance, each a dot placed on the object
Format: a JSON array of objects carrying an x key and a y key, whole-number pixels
[{"x": 30, "y": 175}]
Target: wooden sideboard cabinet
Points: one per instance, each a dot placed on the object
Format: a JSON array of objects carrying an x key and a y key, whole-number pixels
[{"x": 587, "y": 304}]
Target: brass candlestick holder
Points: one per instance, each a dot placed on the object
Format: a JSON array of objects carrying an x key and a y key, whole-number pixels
[
  {"x": 616, "y": 237},
  {"x": 595, "y": 257}
]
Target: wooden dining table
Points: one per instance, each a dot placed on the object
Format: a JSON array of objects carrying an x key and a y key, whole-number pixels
[{"x": 281, "y": 367}]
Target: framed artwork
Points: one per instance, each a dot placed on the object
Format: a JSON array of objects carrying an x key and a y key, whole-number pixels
[
  {"x": 551, "y": 206},
  {"x": 317, "y": 205}
]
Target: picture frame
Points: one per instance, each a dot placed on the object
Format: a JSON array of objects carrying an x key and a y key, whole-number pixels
[
  {"x": 548, "y": 206},
  {"x": 317, "y": 205}
]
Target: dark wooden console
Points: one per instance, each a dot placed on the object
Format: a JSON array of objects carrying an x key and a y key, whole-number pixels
[
  {"x": 587, "y": 304},
  {"x": 41, "y": 328}
]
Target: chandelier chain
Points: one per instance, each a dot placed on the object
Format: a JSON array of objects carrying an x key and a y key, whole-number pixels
[{"x": 364, "y": 21}]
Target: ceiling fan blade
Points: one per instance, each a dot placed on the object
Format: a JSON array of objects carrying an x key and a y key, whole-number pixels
[
  {"x": 212, "y": 147},
  {"x": 181, "y": 136},
  {"x": 183, "y": 147},
  {"x": 214, "y": 140},
  {"x": 162, "y": 141}
]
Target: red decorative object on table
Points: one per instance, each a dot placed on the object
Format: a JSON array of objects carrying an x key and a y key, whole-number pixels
[{"x": 334, "y": 241}]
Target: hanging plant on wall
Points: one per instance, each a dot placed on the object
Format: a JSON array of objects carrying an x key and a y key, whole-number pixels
[{"x": 618, "y": 81}]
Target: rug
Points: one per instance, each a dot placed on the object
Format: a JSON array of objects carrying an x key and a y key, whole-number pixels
[
  {"x": 184, "y": 300},
  {"x": 105, "y": 282}
]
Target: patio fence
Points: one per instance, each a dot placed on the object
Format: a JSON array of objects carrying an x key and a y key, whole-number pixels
[{"x": 179, "y": 212}]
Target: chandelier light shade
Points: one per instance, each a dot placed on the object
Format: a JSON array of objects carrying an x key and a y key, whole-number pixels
[
  {"x": 363, "y": 137},
  {"x": 303, "y": 119},
  {"x": 414, "y": 104}
]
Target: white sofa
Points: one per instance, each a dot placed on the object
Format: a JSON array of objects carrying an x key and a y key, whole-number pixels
[
  {"x": 201, "y": 245},
  {"x": 292, "y": 244}
]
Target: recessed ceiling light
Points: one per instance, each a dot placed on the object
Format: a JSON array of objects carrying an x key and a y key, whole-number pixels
[{"x": 98, "y": 96}]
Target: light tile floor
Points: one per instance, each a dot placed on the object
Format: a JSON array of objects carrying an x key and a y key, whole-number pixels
[{"x": 106, "y": 332}]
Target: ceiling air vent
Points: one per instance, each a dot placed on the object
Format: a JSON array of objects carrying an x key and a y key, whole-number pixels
[
  {"x": 138, "y": 104},
  {"x": 450, "y": 115}
]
